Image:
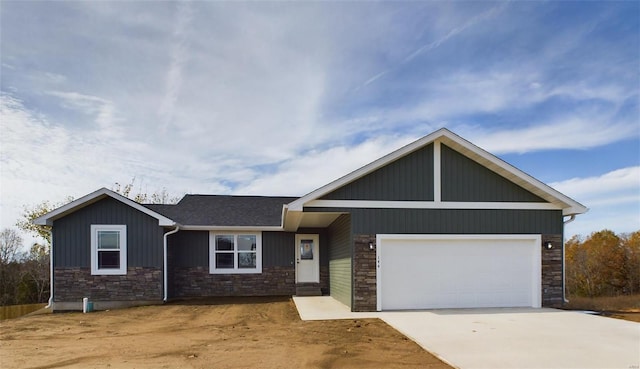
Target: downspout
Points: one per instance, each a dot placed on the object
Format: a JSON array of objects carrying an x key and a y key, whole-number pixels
[
  {"x": 165, "y": 272},
  {"x": 572, "y": 217},
  {"x": 50, "y": 302}
]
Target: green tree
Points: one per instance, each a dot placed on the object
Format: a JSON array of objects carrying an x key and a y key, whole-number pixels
[{"x": 30, "y": 213}]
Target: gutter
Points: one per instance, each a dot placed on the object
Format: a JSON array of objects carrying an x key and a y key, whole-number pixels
[
  {"x": 50, "y": 302},
  {"x": 572, "y": 217},
  {"x": 165, "y": 272}
]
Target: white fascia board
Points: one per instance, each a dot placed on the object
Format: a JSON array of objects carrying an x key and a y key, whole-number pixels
[
  {"x": 230, "y": 228},
  {"x": 364, "y": 204},
  {"x": 95, "y": 196},
  {"x": 298, "y": 204},
  {"x": 466, "y": 148},
  {"x": 529, "y": 237},
  {"x": 512, "y": 173}
]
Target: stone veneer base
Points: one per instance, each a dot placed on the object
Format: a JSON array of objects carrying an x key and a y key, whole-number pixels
[{"x": 365, "y": 273}]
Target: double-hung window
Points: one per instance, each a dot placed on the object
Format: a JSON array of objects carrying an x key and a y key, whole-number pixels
[
  {"x": 235, "y": 253},
  {"x": 108, "y": 249}
]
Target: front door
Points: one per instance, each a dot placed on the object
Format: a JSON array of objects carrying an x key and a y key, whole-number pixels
[{"x": 307, "y": 258}]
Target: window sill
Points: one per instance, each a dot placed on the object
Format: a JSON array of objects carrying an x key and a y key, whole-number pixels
[
  {"x": 109, "y": 272},
  {"x": 235, "y": 271}
]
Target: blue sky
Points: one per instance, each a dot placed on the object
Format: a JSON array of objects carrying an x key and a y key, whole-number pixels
[{"x": 280, "y": 98}]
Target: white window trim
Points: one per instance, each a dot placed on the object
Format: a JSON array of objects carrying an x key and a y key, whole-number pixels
[
  {"x": 94, "y": 249},
  {"x": 235, "y": 270}
]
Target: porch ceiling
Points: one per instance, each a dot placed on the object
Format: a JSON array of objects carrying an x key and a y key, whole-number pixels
[{"x": 317, "y": 220}]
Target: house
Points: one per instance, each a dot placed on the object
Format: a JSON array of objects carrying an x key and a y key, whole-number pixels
[{"x": 439, "y": 223}]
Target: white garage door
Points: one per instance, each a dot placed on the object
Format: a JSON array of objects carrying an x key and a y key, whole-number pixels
[{"x": 458, "y": 271}]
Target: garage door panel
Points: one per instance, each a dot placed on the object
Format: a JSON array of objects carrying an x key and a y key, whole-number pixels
[{"x": 462, "y": 272}]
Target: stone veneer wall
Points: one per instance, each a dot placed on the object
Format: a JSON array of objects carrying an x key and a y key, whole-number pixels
[
  {"x": 364, "y": 266},
  {"x": 140, "y": 284},
  {"x": 552, "y": 271},
  {"x": 198, "y": 282},
  {"x": 324, "y": 281},
  {"x": 364, "y": 273}
]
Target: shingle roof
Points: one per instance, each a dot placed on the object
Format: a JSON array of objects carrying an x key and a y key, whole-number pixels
[{"x": 221, "y": 210}]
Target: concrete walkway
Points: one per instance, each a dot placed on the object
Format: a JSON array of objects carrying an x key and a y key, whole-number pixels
[{"x": 504, "y": 338}]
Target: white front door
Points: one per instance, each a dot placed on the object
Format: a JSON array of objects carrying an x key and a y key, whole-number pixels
[{"x": 307, "y": 258}]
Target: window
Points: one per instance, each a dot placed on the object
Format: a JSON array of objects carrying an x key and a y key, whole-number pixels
[
  {"x": 233, "y": 253},
  {"x": 108, "y": 249}
]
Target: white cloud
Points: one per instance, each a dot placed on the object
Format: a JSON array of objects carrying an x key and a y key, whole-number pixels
[
  {"x": 179, "y": 57},
  {"x": 576, "y": 131},
  {"x": 311, "y": 170},
  {"x": 201, "y": 97},
  {"x": 613, "y": 200},
  {"x": 611, "y": 183}
]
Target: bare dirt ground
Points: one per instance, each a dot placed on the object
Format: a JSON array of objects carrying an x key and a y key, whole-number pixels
[{"x": 224, "y": 333}]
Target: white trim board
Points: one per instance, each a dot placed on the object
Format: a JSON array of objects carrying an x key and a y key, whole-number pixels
[
  {"x": 372, "y": 204},
  {"x": 96, "y": 196},
  {"x": 437, "y": 172},
  {"x": 467, "y": 149}
]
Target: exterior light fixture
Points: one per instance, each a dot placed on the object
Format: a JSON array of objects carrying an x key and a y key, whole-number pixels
[{"x": 549, "y": 245}]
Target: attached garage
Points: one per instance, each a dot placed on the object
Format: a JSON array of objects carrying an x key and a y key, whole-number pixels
[{"x": 458, "y": 271}]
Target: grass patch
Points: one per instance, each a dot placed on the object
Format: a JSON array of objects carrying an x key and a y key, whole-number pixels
[{"x": 624, "y": 303}]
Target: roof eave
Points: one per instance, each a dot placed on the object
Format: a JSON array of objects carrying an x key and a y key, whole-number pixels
[
  {"x": 50, "y": 217},
  {"x": 469, "y": 149}
]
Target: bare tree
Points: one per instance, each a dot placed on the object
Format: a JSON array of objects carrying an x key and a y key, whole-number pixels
[
  {"x": 35, "y": 275},
  {"x": 142, "y": 196},
  {"x": 10, "y": 244}
]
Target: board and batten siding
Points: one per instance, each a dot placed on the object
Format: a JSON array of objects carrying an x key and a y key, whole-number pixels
[
  {"x": 452, "y": 221},
  {"x": 72, "y": 235},
  {"x": 278, "y": 249},
  {"x": 340, "y": 259},
  {"x": 191, "y": 248},
  {"x": 409, "y": 178},
  {"x": 463, "y": 179}
]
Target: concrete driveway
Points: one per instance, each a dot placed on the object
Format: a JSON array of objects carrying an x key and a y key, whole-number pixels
[{"x": 504, "y": 338}]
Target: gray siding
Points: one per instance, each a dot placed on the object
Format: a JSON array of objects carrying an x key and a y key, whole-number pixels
[
  {"x": 407, "y": 179},
  {"x": 452, "y": 221},
  {"x": 72, "y": 235},
  {"x": 278, "y": 249},
  {"x": 340, "y": 259},
  {"x": 189, "y": 249},
  {"x": 465, "y": 180}
]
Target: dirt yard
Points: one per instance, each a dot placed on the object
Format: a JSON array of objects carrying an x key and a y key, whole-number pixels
[{"x": 226, "y": 333}]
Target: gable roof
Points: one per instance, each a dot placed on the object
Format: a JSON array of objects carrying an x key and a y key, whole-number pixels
[
  {"x": 47, "y": 219},
  {"x": 210, "y": 211},
  {"x": 443, "y": 135}
]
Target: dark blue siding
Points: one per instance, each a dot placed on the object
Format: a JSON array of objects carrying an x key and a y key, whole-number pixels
[
  {"x": 189, "y": 249},
  {"x": 278, "y": 249},
  {"x": 407, "y": 179},
  {"x": 72, "y": 235},
  {"x": 465, "y": 180},
  {"x": 452, "y": 221}
]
